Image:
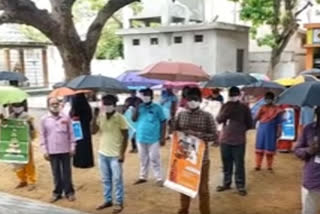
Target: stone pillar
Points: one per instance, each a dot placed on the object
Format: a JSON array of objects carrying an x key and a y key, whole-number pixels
[
  {"x": 7, "y": 60},
  {"x": 45, "y": 67}
]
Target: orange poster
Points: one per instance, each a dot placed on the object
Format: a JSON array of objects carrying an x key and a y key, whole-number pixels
[{"x": 185, "y": 164}]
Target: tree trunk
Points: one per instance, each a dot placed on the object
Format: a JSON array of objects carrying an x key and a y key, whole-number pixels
[
  {"x": 75, "y": 62},
  {"x": 274, "y": 60}
]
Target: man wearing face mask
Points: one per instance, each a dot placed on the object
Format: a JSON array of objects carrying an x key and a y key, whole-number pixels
[
  {"x": 25, "y": 173},
  {"x": 201, "y": 124},
  {"x": 236, "y": 120},
  {"x": 151, "y": 130},
  {"x": 58, "y": 145},
  {"x": 113, "y": 144},
  {"x": 308, "y": 149}
]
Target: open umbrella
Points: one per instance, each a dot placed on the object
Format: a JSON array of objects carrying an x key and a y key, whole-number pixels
[
  {"x": 305, "y": 94},
  {"x": 175, "y": 71},
  {"x": 132, "y": 79},
  {"x": 9, "y": 94},
  {"x": 12, "y": 76},
  {"x": 288, "y": 82},
  {"x": 229, "y": 79},
  {"x": 313, "y": 71},
  {"x": 259, "y": 76},
  {"x": 63, "y": 91},
  {"x": 175, "y": 85},
  {"x": 261, "y": 87},
  {"x": 59, "y": 85},
  {"x": 97, "y": 83}
]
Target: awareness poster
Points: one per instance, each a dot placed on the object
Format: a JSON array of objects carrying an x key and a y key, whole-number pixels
[
  {"x": 185, "y": 164},
  {"x": 77, "y": 130},
  {"x": 14, "y": 141},
  {"x": 288, "y": 125}
]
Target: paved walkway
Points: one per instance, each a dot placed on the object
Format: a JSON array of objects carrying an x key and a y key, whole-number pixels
[{"x": 18, "y": 205}]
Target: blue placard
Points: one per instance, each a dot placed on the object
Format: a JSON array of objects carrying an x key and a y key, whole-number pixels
[
  {"x": 77, "y": 130},
  {"x": 288, "y": 125}
]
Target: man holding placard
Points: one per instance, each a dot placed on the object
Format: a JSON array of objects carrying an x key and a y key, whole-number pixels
[
  {"x": 200, "y": 124},
  {"x": 17, "y": 134}
]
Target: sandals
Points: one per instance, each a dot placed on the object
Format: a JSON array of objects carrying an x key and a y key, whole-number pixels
[
  {"x": 222, "y": 188},
  {"x": 117, "y": 209}
]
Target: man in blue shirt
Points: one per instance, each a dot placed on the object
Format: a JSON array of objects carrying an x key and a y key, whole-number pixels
[{"x": 151, "y": 128}]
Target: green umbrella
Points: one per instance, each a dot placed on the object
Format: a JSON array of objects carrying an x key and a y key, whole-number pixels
[{"x": 9, "y": 94}]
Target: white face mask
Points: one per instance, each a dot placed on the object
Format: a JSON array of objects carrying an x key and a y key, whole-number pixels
[
  {"x": 110, "y": 109},
  {"x": 18, "y": 110},
  {"x": 234, "y": 99},
  {"x": 146, "y": 99},
  {"x": 193, "y": 104}
]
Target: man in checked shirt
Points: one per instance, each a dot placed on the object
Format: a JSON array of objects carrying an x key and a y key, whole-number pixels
[{"x": 199, "y": 123}]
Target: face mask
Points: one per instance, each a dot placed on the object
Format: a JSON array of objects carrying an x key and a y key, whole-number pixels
[
  {"x": 146, "y": 99},
  {"x": 234, "y": 99},
  {"x": 55, "y": 109},
  {"x": 18, "y": 110},
  {"x": 193, "y": 104},
  {"x": 110, "y": 109},
  {"x": 268, "y": 101}
]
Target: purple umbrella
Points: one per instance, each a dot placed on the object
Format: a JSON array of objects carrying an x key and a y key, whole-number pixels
[{"x": 132, "y": 79}]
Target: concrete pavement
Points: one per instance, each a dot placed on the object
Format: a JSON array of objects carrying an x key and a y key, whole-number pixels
[{"x": 10, "y": 204}]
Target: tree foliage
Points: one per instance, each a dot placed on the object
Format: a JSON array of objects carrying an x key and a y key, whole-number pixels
[
  {"x": 109, "y": 45},
  {"x": 281, "y": 18}
]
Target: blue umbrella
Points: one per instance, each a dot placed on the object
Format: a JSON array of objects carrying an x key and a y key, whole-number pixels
[
  {"x": 12, "y": 76},
  {"x": 132, "y": 79},
  {"x": 229, "y": 79},
  {"x": 305, "y": 94},
  {"x": 97, "y": 83}
]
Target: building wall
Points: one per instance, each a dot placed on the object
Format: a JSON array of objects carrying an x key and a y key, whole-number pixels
[
  {"x": 202, "y": 53},
  {"x": 290, "y": 65},
  {"x": 227, "y": 45}
]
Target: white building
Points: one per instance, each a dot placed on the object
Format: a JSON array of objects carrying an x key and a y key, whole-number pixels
[{"x": 217, "y": 47}]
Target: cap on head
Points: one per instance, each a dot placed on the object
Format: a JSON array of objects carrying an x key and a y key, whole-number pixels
[{"x": 234, "y": 91}]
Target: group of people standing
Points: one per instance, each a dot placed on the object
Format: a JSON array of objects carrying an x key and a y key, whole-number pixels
[{"x": 145, "y": 123}]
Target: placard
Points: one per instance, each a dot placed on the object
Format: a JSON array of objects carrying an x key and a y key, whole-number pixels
[
  {"x": 14, "y": 141},
  {"x": 185, "y": 164}
]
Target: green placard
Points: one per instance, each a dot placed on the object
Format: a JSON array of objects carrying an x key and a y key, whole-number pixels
[{"x": 14, "y": 141}]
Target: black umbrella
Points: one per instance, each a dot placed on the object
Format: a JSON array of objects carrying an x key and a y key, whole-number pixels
[
  {"x": 59, "y": 85},
  {"x": 229, "y": 79},
  {"x": 305, "y": 94},
  {"x": 261, "y": 87},
  {"x": 97, "y": 83},
  {"x": 313, "y": 71},
  {"x": 12, "y": 76}
]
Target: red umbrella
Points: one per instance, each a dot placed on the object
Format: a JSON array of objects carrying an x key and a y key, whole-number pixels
[{"x": 175, "y": 71}]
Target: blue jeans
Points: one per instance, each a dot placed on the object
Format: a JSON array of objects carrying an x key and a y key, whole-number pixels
[{"x": 111, "y": 173}]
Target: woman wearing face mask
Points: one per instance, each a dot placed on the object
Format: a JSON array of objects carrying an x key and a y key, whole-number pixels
[
  {"x": 81, "y": 110},
  {"x": 26, "y": 173},
  {"x": 269, "y": 117}
]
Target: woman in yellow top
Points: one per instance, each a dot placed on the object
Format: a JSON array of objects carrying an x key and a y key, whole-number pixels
[{"x": 25, "y": 173}]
